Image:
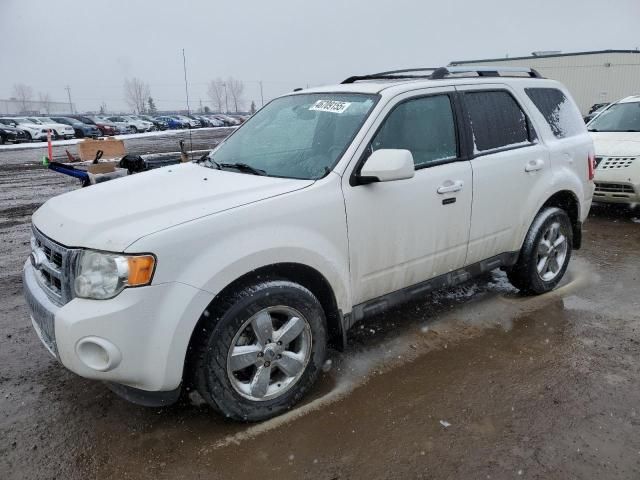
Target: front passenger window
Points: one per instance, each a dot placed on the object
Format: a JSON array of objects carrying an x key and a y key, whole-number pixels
[{"x": 424, "y": 126}]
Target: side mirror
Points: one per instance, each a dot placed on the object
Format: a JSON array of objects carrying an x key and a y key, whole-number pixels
[{"x": 387, "y": 165}]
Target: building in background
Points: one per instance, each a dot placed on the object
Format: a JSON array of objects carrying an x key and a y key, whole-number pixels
[
  {"x": 34, "y": 107},
  {"x": 591, "y": 77}
]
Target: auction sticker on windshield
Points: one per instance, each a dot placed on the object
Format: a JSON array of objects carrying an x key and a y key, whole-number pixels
[{"x": 333, "y": 106}]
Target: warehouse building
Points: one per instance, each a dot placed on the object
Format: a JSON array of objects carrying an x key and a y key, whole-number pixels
[
  {"x": 591, "y": 77},
  {"x": 13, "y": 106}
]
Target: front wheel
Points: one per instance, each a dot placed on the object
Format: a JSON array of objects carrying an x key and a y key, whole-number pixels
[
  {"x": 545, "y": 254},
  {"x": 260, "y": 350}
]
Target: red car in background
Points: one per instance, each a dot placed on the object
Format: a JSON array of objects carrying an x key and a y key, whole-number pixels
[{"x": 105, "y": 128}]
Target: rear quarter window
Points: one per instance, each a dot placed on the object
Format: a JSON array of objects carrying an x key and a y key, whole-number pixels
[{"x": 561, "y": 114}]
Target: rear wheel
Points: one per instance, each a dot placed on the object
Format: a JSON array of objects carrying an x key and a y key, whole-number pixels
[
  {"x": 3, "y": 140},
  {"x": 545, "y": 255},
  {"x": 260, "y": 350}
]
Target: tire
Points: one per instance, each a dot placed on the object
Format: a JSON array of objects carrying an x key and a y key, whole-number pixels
[
  {"x": 2, "y": 140},
  {"x": 532, "y": 275},
  {"x": 133, "y": 129},
  {"x": 229, "y": 388},
  {"x": 28, "y": 137},
  {"x": 56, "y": 135}
]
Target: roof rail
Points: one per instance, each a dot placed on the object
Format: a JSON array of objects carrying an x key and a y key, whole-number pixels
[
  {"x": 484, "y": 71},
  {"x": 407, "y": 73},
  {"x": 443, "y": 72}
]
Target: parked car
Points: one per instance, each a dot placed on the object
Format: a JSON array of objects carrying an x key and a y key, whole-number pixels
[
  {"x": 172, "y": 123},
  {"x": 234, "y": 288},
  {"x": 594, "y": 112},
  {"x": 158, "y": 124},
  {"x": 81, "y": 129},
  {"x": 132, "y": 124},
  {"x": 105, "y": 127},
  {"x": 33, "y": 131},
  {"x": 204, "y": 121},
  {"x": 227, "y": 120},
  {"x": 215, "y": 122},
  {"x": 120, "y": 127},
  {"x": 59, "y": 130},
  {"x": 190, "y": 121},
  {"x": 11, "y": 134},
  {"x": 616, "y": 134}
]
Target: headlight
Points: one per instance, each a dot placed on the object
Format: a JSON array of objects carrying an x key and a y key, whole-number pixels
[{"x": 101, "y": 275}]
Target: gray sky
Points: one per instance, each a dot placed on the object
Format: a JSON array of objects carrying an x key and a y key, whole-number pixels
[{"x": 92, "y": 46}]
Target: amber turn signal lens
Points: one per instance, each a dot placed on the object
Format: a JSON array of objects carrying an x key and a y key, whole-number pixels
[{"x": 140, "y": 269}]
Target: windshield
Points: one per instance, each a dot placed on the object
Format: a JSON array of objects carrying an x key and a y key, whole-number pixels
[
  {"x": 621, "y": 117},
  {"x": 298, "y": 136}
]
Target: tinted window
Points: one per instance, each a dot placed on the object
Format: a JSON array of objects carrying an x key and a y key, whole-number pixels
[
  {"x": 424, "y": 126},
  {"x": 560, "y": 113},
  {"x": 497, "y": 121}
]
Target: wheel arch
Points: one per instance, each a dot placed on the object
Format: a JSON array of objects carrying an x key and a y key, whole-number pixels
[
  {"x": 304, "y": 275},
  {"x": 567, "y": 201}
]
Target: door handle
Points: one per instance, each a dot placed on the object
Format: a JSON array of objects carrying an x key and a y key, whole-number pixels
[
  {"x": 450, "y": 187},
  {"x": 534, "y": 165}
]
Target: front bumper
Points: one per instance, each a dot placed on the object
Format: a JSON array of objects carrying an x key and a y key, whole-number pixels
[
  {"x": 617, "y": 180},
  {"x": 138, "y": 339}
]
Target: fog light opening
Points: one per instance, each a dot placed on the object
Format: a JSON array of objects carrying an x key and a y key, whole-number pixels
[{"x": 98, "y": 354}]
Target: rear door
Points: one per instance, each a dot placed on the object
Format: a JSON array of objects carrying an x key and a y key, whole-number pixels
[{"x": 508, "y": 161}]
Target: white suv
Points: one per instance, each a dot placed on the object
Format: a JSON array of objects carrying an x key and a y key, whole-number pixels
[
  {"x": 616, "y": 134},
  {"x": 233, "y": 274}
]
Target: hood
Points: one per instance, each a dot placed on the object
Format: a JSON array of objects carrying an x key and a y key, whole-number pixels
[
  {"x": 616, "y": 144},
  {"x": 112, "y": 215}
]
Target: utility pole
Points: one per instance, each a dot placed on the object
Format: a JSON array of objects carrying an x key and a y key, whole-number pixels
[
  {"x": 261, "y": 94},
  {"x": 68, "y": 89},
  {"x": 186, "y": 85},
  {"x": 226, "y": 99}
]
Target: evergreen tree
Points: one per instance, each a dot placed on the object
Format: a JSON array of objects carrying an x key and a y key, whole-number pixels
[{"x": 152, "y": 106}]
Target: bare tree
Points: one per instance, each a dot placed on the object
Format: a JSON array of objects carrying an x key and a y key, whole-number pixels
[
  {"x": 236, "y": 89},
  {"x": 136, "y": 93},
  {"x": 23, "y": 93},
  {"x": 216, "y": 92},
  {"x": 45, "y": 102}
]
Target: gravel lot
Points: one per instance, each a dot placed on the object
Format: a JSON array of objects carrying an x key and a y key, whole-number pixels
[{"x": 475, "y": 382}]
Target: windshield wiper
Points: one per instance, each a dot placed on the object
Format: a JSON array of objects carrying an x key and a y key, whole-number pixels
[
  {"x": 243, "y": 167},
  {"x": 208, "y": 158},
  {"x": 593, "y": 130}
]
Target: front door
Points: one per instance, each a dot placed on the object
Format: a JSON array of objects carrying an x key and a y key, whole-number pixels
[{"x": 407, "y": 231}]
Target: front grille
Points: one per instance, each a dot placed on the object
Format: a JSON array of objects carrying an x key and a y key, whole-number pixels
[
  {"x": 53, "y": 267},
  {"x": 602, "y": 188},
  {"x": 608, "y": 163}
]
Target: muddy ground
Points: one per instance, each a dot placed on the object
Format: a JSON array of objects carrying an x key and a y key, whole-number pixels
[{"x": 475, "y": 382}]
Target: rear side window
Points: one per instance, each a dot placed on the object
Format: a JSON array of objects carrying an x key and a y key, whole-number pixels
[
  {"x": 496, "y": 119},
  {"x": 560, "y": 113},
  {"x": 424, "y": 126}
]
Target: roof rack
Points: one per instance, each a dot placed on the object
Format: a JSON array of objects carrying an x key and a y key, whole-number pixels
[{"x": 443, "y": 72}]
